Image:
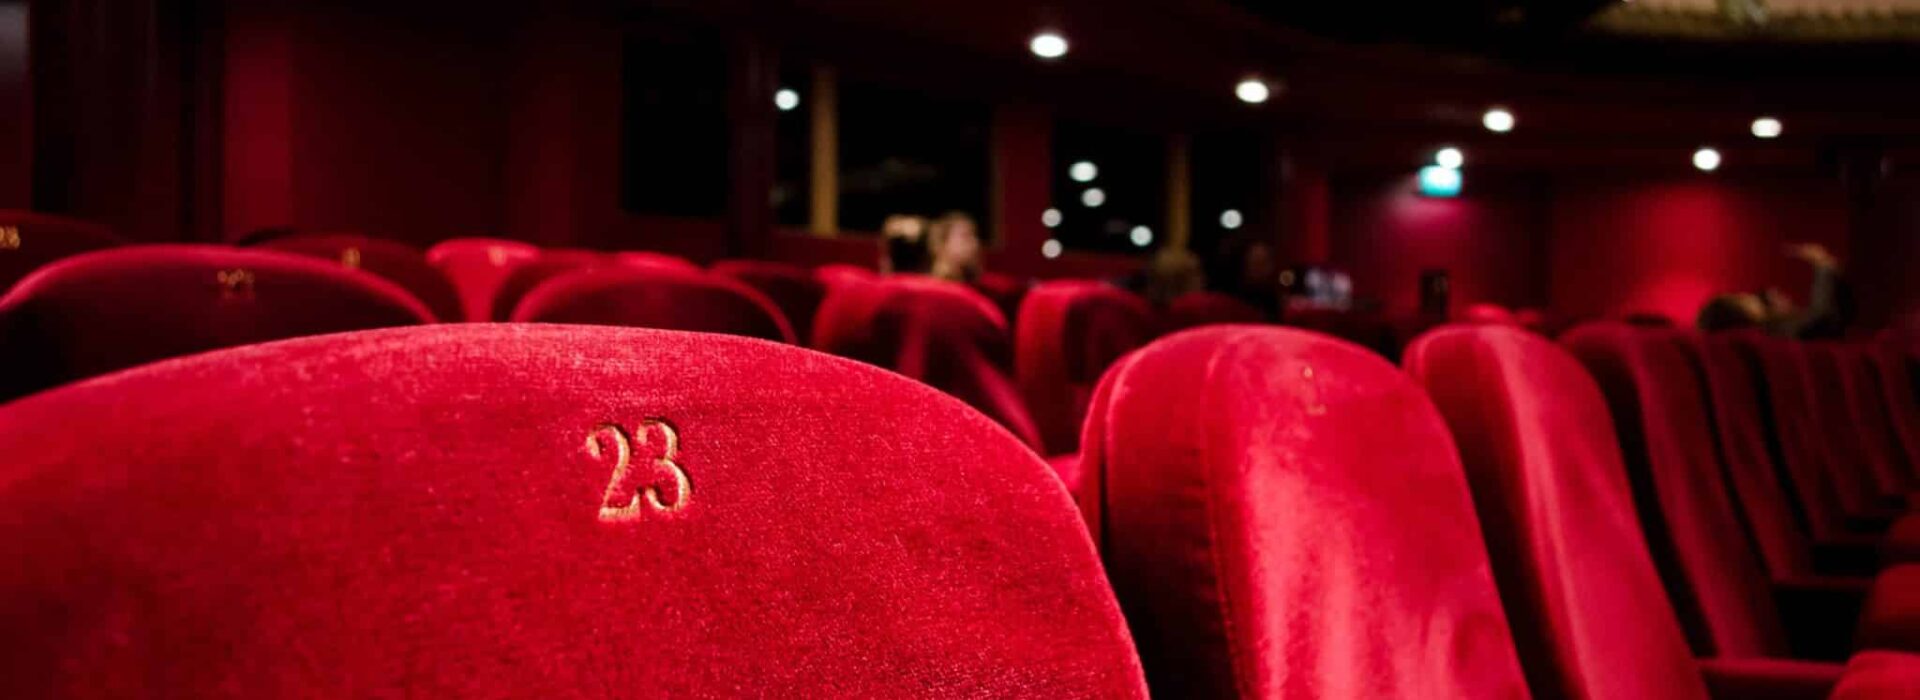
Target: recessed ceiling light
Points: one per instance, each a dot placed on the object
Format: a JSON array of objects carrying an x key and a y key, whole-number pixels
[
  {"x": 1706, "y": 159},
  {"x": 1050, "y": 249},
  {"x": 1766, "y": 127},
  {"x": 1050, "y": 218},
  {"x": 1449, "y": 157},
  {"x": 1093, "y": 197},
  {"x": 786, "y": 99},
  {"x": 1231, "y": 219},
  {"x": 1252, "y": 91},
  {"x": 1141, "y": 236},
  {"x": 1048, "y": 45},
  {"x": 1083, "y": 171},
  {"x": 1498, "y": 120}
]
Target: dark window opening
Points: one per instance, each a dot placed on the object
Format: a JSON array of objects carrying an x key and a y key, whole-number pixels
[
  {"x": 1109, "y": 188},
  {"x": 907, "y": 152},
  {"x": 674, "y": 141}
]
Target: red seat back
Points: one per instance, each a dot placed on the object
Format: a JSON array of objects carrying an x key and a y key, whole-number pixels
[
  {"x": 112, "y": 309},
  {"x": 397, "y": 262},
  {"x": 1207, "y": 308},
  {"x": 792, "y": 288},
  {"x": 666, "y": 298},
  {"x": 1485, "y": 313},
  {"x": 1783, "y": 366},
  {"x": 529, "y": 275},
  {"x": 834, "y": 273},
  {"x": 1282, "y": 515},
  {"x": 547, "y": 511},
  {"x": 1006, "y": 292},
  {"x": 1069, "y": 333},
  {"x": 1856, "y": 477},
  {"x": 941, "y": 333},
  {"x": 1723, "y": 598},
  {"x": 1901, "y": 398},
  {"x": 1588, "y": 611},
  {"x": 650, "y": 260},
  {"x": 476, "y": 267},
  {"x": 1872, "y": 425},
  {"x": 30, "y": 240},
  {"x": 1739, "y": 419}
]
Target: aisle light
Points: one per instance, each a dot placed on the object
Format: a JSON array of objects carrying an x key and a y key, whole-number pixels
[{"x": 1050, "y": 249}]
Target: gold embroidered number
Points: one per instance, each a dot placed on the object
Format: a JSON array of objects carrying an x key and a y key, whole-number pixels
[
  {"x": 628, "y": 496},
  {"x": 9, "y": 237}
]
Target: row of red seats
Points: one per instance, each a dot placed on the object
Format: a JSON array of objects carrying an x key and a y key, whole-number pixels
[{"x": 571, "y": 510}]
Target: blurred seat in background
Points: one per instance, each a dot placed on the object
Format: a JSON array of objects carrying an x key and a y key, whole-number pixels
[{"x": 117, "y": 308}]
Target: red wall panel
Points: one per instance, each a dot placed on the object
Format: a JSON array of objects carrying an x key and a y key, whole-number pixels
[
  {"x": 1489, "y": 239},
  {"x": 1664, "y": 246}
]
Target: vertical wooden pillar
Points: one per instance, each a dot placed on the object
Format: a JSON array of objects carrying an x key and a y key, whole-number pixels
[
  {"x": 1179, "y": 191},
  {"x": 751, "y": 83},
  {"x": 825, "y": 204}
]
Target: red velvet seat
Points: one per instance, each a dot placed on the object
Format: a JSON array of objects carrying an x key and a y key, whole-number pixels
[
  {"x": 1589, "y": 614},
  {"x": 1724, "y": 599},
  {"x": 1195, "y": 309},
  {"x": 1780, "y": 533},
  {"x": 1007, "y": 292},
  {"x": 30, "y": 240},
  {"x": 661, "y": 297},
  {"x": 1859, "y": 465},
  {"x": 527, "y": 276},
  {"x": 1874, "y": 424},
  {"x": 397, "y": 262},
  {"x": 1880, "y": 674},
  {"x": 1833, "y": 509},
  {"x": 650, "y": 260},
  {"x": 794, "y": 289},
  {"x": 111, "y": 309},
  {"x": 476, "y": 267},
  {"x": 1069, "y": 333},
  {"x": 538, "y": 511},
  {"x": 1282, "y": 515},
  {"x": 1486, "y": 313},
  {"x": 1898, "y": 397},
  {"x": 941, "y": 333},
  {"x": 835, "y": 273}
]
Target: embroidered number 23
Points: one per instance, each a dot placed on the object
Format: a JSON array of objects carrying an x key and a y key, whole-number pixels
[{"x": 632, "y": 492}]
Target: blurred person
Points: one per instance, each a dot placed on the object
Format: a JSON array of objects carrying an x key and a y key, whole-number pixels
[
  {"x": 903, "y": 245},
  {"x": 1829, "y": 306},
  {"x": 953, "y": 242}
]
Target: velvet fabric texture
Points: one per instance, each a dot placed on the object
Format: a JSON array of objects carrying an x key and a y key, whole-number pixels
[
  {"x": 1589, "y": 614},
  {"x": 1873, "y": 425},
  {"x": 835, "y": 273},
  {"x": 550, "y": 265},
  {"x": 670, "y": 298},
  {"x": 1891, "y": 619},
  {"x": 791, "y": 287},
  {"x": 1005, "y": 291},
  {"x": 111, "y": 309},
  {"x": 1069, "y": 333},
  {"x": 1878, "y": 675},
  {"x": 1195, "y": 309},
  {"x": 1487, "y": 314},
  {"x": 397, "y": 262},
  {"x": 1828, "y": 508},
  {"x": 940, "y": 333},
  {"x": 1901, "y": 398},
  {"x": 1282, "y": 515},
  {"x": 647, "y": 259},
  {"x": 476, "y": 267},
  {"x": 1699, "y": 545},
  {"x": 539, "y": 511},
  {"x": 30, "y": 240},
  {"x": 1858, "y": 465},
  {"x": 1754, "y": 480}
]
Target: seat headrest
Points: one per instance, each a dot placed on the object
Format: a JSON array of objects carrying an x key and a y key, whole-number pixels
[
  {"x": 543, "y": 510},
  {"x": 1282, "y": 515}
]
